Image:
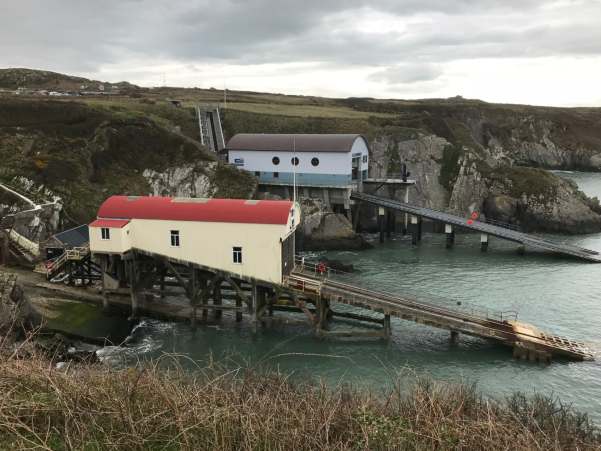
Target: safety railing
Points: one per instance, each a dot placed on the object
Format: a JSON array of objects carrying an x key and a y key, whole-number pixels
[
  {"x": 317, "y": 269},
  {"x": 323, "y": 273},
  {"x": 505, "y": 225}
]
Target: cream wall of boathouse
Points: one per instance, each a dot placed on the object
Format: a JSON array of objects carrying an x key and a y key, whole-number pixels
[
  {"x": 211, "y": 244},
  {"x": 206, "y": 243},
  {"x": 118, "y": 243}
]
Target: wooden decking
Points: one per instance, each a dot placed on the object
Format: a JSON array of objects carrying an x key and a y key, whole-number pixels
[{"x": 502, "y": 327}]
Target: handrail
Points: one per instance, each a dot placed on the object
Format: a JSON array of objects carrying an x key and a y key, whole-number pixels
[
  {"x": 309, "y": 268},
  {"x": 505, "y": 225}
]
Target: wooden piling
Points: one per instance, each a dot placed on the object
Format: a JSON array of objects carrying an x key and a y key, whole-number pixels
[{"x": 386, "y": 331}]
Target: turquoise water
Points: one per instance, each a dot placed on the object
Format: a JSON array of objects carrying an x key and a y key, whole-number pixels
[{"x": 557, "y": 295}]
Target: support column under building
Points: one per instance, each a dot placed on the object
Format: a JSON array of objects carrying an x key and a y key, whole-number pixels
[
  {"x": 390, "y": 218},
  {"x": 483, "y": 242},
  {"x": 406, "y": 220},
  {"x": 450, "y": 233},
  {"x": 415, "y": 230},
  {"x": 381, "y": 220},
  {"x": 386, "y": 326}
]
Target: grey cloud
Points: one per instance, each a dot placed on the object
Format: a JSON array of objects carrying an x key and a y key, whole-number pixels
[{"x": 81, "y": 36}]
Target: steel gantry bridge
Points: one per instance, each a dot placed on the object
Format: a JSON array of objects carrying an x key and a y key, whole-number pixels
[{"x": 485, "y": 229}]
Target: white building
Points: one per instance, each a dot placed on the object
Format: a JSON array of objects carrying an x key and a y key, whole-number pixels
[
  {"x": 326, "y": 166},
  {"x": 250, "y": 238},
  {"x": 337, "y": 161}
]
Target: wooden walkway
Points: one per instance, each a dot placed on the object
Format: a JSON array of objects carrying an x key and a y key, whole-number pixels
[
  {"x": 482, "y": 227},
  {"x": 526, "y": 340}
]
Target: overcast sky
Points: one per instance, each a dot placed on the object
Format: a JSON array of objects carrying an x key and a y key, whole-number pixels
[{"x": 518, "y": 51}]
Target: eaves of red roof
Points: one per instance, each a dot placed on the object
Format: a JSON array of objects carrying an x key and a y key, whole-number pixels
[
  {"x": 110, "y": 223},
  {"x": 201, "y": 210}
]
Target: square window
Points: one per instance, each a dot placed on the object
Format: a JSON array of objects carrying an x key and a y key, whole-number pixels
[
  {"x": 237, "y": 255},
  {"x": 276, "y": 175},
  {"x": 364, "y": 158},
  {"x": 258, "y": 173},
  {"x": 106, "y": 233},
  {"x": 175, "y": 238}
]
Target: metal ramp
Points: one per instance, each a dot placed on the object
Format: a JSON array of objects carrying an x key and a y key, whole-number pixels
[
  {"x": 526, "y": 340},
  {"x": 482, "y": 227}
]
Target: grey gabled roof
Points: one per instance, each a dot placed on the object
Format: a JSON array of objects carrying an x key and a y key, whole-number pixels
[{"x": 290, "y": 142}]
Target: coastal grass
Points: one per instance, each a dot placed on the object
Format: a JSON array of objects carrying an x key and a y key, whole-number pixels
[{"x": 159, "y": 405}]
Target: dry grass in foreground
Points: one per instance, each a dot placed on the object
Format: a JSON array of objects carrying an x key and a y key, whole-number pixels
[{"x": 161, "y": 406}]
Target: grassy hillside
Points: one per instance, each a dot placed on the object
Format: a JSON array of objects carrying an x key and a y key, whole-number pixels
[{"x": 86, "y": 152}]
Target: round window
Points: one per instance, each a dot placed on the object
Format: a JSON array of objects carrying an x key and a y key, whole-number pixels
[
  {"x": 294, "y": 161},
  {"x": 275, "y": 161},
  {"x": 315, "y": 161}
]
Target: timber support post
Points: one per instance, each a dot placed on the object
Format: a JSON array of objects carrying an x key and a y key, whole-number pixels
[
  {"x": 324, "y": 313},
  {"x": 454, "y": 337},
  {"x": 105, "y": 296},
  {"x": 191, "y": 292},
  {"x": 386, "y": 332},
  {"x": 254, "y": 307},
  {"x": 217, "y": 299},
  {"x": 133, "y": 285},
  {"x": 415, "y": 230},
  {"x": 450, "y": 233}
]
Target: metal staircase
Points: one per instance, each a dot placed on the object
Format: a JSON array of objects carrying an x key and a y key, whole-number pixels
[{"x": 209, "y": 125}]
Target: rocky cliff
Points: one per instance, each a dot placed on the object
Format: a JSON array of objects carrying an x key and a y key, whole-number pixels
[
  {"x": 464, "y": 154},
  {"x": 467, "y": 156}
]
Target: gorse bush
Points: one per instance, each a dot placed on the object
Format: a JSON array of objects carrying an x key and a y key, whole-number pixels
[{"x": 160, "y": 406}]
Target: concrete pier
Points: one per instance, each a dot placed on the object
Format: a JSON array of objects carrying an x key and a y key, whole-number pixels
[
  {"x": 483, "y": 242},
  {"x": 381, "y": 220},
  {"x": 450, "y": 234}
]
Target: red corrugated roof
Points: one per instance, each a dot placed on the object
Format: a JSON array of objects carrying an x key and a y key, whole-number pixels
[
  {"x": 204, "y": 210},
  {"x": 111, "y": 223}
]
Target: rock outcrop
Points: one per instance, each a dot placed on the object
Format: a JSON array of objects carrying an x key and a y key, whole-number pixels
[
  {"x": 16, "y": 314},
  {"x": 323, "y": 229}
]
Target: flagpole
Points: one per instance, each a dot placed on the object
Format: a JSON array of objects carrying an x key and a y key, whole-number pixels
[{"x": 294, "y": 169}]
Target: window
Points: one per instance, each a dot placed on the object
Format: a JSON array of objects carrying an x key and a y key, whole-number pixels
[
  {"x": 106, "y": 233},
  {"x": 275, "y": 161},
  {"x": 364, "y": 158},
  {"x": 258, "y": 173},
  {"x": 294, "y": 161},
  {"x": 175, "y": 238},
  {"x": 276, "y": 175},
  {"x": 315, "y": 161},
  {"x": 237, "y": 254}
]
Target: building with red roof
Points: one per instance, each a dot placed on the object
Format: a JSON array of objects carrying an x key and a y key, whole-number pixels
[{"x": 251, "y": 238}]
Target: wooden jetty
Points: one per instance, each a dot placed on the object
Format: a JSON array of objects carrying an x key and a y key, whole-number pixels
[
  {"x": 149, "y": 279},
  {"x": 526, "y": 340},
  {"x": 485, "y": 229}
]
